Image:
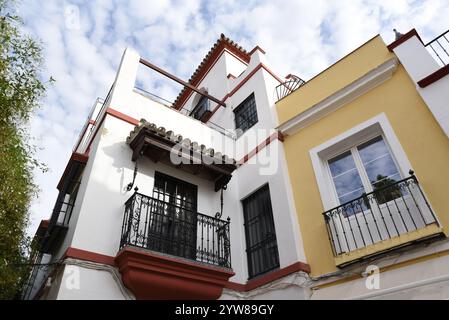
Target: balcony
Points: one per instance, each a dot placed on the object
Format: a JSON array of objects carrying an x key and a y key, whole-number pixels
[
  {"x": 391, "y": 217},
  {"x": 292, "y": 84},
  {"x": 170, "y": 252},
  {"x": 439, "y": 48}
]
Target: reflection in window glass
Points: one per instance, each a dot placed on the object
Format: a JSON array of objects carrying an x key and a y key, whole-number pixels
[
  {"x": 380, "y": 168},
  {"x": 376, "y": 164},
  {"x": 347, "y": 181}
]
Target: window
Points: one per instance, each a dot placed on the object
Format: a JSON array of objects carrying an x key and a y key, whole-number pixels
[
  {"x": 261, "y": 244},
  {"x": 201, "y": 109},
  {"x": 363, "y": 169},
  {"x": 173, "y": 223},
  {"x": 246, "y": 114}
]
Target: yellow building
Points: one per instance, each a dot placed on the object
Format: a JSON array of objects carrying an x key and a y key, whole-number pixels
[{"x": 367, "y": 150}]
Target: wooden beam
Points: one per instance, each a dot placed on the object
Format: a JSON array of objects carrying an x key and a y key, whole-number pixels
[
  {"x": 139, "y": 145},
  {"x": 175, "y": 78}
]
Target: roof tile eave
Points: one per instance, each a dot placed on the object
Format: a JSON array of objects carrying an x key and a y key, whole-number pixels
[{"x": 222, "y": 43}]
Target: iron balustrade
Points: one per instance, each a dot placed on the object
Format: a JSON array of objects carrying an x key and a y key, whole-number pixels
[
  {"x": 65, "y": 213},
  {"x": 385, "y": 213},
  {"x": 439, "y": 47},
  {"x": 39, "y": 275},
  {"x": 287, "y": 87},
  {"x": 169, "y": 228}
]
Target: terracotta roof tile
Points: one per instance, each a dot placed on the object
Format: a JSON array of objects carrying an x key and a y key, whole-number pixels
[
  {"x": 222, "y": 43},
  {"x": 176, "y": 138}
]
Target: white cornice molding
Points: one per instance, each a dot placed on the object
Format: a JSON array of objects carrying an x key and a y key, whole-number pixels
[{"x": 342, "y": 97}]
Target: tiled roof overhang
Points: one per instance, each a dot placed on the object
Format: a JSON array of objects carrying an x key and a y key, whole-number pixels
[
  {"x": 163, "y": 146},
  {"x": 222, "y": 43}
]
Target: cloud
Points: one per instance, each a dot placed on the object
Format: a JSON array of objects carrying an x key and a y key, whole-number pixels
[{"x": 84, "y": 41}]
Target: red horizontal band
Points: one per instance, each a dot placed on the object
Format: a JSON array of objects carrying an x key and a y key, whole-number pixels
[
  {"x": 404, "y": 38},
  {"x": 434, "y": 77},
  {"x": 269, "y": 277}
]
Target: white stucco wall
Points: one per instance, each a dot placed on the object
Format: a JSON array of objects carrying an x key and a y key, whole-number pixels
[
  {"x": 81, "y": 283},
  {"x": 98, "y": 213},
  {"x": 419, "y": 63}
]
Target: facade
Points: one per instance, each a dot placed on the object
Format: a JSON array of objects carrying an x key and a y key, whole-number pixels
[
  {"x": 184, "y": 201},
  {"x": 366, "y": 144},
  {"x": 252, "y": 186}
]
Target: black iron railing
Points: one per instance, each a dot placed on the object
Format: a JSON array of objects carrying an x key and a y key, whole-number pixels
[
  {"x": 383, "y": 214},
  {"x": 171, "y": 228},
  {"x": 439, "y": 47},
  {"x": 292, "y": 84},
  {"x": 37, "y": 278}
]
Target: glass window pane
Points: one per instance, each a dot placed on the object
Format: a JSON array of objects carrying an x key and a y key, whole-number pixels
[
  {"x": 341, "y": 164},
  {"x": 347, "y": 181},
  {"x": 378, "y": 163},
  {"x": 246, "y": 114}
]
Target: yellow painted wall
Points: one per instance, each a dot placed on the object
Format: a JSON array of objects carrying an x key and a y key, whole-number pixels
[
  {"x": 369, "y": 56},
  {"x": 422, "y": 139}
]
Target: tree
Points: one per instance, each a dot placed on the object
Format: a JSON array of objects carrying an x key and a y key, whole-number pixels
[
  {"x": 21, "y": 91},
  {"x": 384, "y": 193}
]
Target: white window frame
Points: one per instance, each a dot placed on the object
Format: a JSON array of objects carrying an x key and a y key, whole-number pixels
[{"x": 377, "y": 126}]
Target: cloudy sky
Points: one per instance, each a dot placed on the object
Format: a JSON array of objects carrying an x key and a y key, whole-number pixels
[{"x": 84, "y": 40}]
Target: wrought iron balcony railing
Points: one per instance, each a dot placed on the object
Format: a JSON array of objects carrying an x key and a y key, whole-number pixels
[
  {"x": 439, "y": 47},
  {"x": 171, "y": 228},
  {"x": 292, "y": 84},
  {"x": 386, "y": 213}
]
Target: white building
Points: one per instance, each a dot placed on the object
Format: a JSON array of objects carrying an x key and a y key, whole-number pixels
[{"x": 173, "y": 238}]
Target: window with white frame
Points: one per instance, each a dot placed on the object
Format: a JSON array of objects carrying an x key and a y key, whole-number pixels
[
  {"x": 362, "y": 169},
  {"x": 366, "y": 193}
]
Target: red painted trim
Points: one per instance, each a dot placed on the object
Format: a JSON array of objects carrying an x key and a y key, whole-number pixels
[
  {"x": 434, "y": 77},
  {"x": 269, "y": 277},
  {"x": 115, "y": 114},
  {"x": 80, "y": 254},
  {"x": 231, "y": 76},
  {"x": 211, "y": 61},
  {"x": 78, "y": 157},
  {"x": 190, "y": 92},
  {"x": 236, "y": 286},
  {"x": 75, "y": 157},
  {"x": 237, "y": 87},
  {"x": 44, "y": 224},
  {"x": 277, "y": 135},
  {"x": 173, "y": 260},
  {"x": 92, "y": 122},
  {"x": 257, "y": 48},
  {"x": 122, "y": 116},
  {"x": 156, "y": 276},
  {"x": 249, "y": 76},
  {"x": 214, "y": 274},
  {"x": 40, "y": 231},
  {"x": 404, "y": 38}
]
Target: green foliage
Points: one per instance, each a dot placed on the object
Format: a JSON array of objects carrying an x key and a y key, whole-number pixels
[
  {"x": 384, "y": 194},
  {"x": 20, "y": 93}
]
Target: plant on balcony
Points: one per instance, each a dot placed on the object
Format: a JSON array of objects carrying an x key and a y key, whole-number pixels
[{"x": 385, "y": 189}]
